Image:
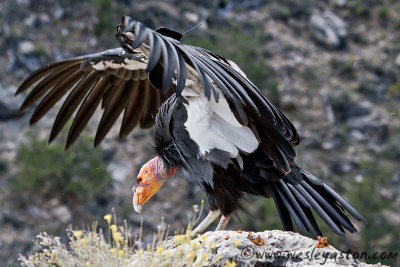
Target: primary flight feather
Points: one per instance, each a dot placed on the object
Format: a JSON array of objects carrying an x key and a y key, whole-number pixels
[{"x": 212, "y": 125}]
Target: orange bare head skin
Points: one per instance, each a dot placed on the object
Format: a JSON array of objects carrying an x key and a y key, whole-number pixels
[{"x": 149, "y": 180}]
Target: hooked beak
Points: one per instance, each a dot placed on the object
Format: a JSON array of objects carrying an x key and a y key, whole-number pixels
[
  {"x": 137, "y": 207},
  {"x": 146, "y": 186}
]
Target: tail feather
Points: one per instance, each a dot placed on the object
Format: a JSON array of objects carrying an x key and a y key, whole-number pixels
[
  {"x": 299, "y": 192},
  {"x": 331, "y": 209},
  {"x": 345, "y": 204},
  {"x": 282, "y": 210},
  {"x": 320, "y": 211},
  {"x": 299, "y": 196},
  {"x": 309, "y": 225},
  {"x": 294, "y": 212},
  {"x": 310, "y": 217}
]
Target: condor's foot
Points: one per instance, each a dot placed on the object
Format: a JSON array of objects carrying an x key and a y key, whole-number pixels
[{"x": 212, "y": 215}]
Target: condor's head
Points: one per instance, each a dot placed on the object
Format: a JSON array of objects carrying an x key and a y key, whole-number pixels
[{"x": 151, "y": 177}]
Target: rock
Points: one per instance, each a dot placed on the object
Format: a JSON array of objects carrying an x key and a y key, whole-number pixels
[
  {"x": 347, "y": 106},
  {"x": 328, "y": 29},
  {"x": 251, "y": 4},
  {"x": 58, "y": 12},
  {"x": 269, "y": 248},
  {"x": 62, "y": 213},
  {"x": 341, "y": 167},
  {"x": 38, "y": 213},
  {"x": 30, "y": 20},
  {"x": 23, "y": 2},
  {"x": 392, "y": 216},
  {"x": 191, "y": 17},
  {"x": 339, "y": 3},
  {"x": 397, "y": 60},
  {"x": 362, "y": 108},
  {"x": 9, "y": 104},
  {"x": 120, "y": 170},
  {"x": 26, "y": 47},
  {"x": 373, "y": 87},
  {"x": 373, "y": 127}
]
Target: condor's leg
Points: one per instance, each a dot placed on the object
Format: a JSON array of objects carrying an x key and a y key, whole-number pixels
[
  {"x": 223, "y": 222},
  {"x": 212, "y": 215}
]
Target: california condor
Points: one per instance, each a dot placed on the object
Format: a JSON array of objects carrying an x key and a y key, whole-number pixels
[{"x": 212, "y": 125}]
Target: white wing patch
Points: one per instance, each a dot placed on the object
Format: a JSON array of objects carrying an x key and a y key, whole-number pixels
[{"x": 213, "y": 125}]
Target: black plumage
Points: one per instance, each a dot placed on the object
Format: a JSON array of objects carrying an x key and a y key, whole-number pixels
[
  {"x": 295, "y": 193},
  {"x": 151, "y": 74}
]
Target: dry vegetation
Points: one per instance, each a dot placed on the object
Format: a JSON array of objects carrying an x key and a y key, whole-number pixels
[{"x": 116, "y": 246}]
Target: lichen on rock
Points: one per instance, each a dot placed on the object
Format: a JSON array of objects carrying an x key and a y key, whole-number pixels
[{"x": 273, "y": 248}]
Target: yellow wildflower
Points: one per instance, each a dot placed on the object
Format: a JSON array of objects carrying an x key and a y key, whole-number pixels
[
  {"x": 189, "y": 232},
  {"x": 78, "y": 234},
  {"x": 179, "y": 239},
  {"x": 236, "y": 242},
  {"x": 53, "y": 256},
  {"x": 113, "y": 228},
  {"x": 190, "y": 255},
  {"x": 160, "y": 250},
  {"x": 113, "y": 250},
  {"x": 117, "y": 238},
  {"x": 231, "y": 264},
  {"x": 87, "y": 263},
  {"x": 108, "y": 218},
  {"x": 84, "y": 240},
  {"x": 193, "y": 244},
  {"x": 121, "y": 253},
  {"x": 203, "y": 237}
]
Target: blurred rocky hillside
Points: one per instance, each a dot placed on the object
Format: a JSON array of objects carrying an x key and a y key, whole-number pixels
[{"x": 332, "y": 66}]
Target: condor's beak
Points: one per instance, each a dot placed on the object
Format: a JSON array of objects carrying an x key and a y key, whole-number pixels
[
  {"x": 137, "y": 207},
  {"x": 146, "y": 186}
]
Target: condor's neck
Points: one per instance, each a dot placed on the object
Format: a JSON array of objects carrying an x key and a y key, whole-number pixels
[{"x": 161, "y": 173}]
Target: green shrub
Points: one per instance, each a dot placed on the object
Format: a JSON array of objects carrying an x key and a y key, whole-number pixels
[
  {"x": 384, "y": 13},
  {"x": 281, "y": 12},
  {"x": 47, "y": 171},
  {"x": 394, "y": 89},
  {"x": 359, "y": 8},
  {"x": 391, "y": 149},
  {"x": 108, "y": 14},
  {"x": 344, "y": 68}
]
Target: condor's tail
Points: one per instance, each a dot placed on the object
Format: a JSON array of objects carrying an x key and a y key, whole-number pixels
[{"x": 299, "y": 192}]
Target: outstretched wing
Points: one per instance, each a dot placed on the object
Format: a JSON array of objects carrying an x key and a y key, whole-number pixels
[
  {"x": 126, "y": 80},
  {"x": 115, "y": 78},
  {"x": 167, "y": 57}
]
